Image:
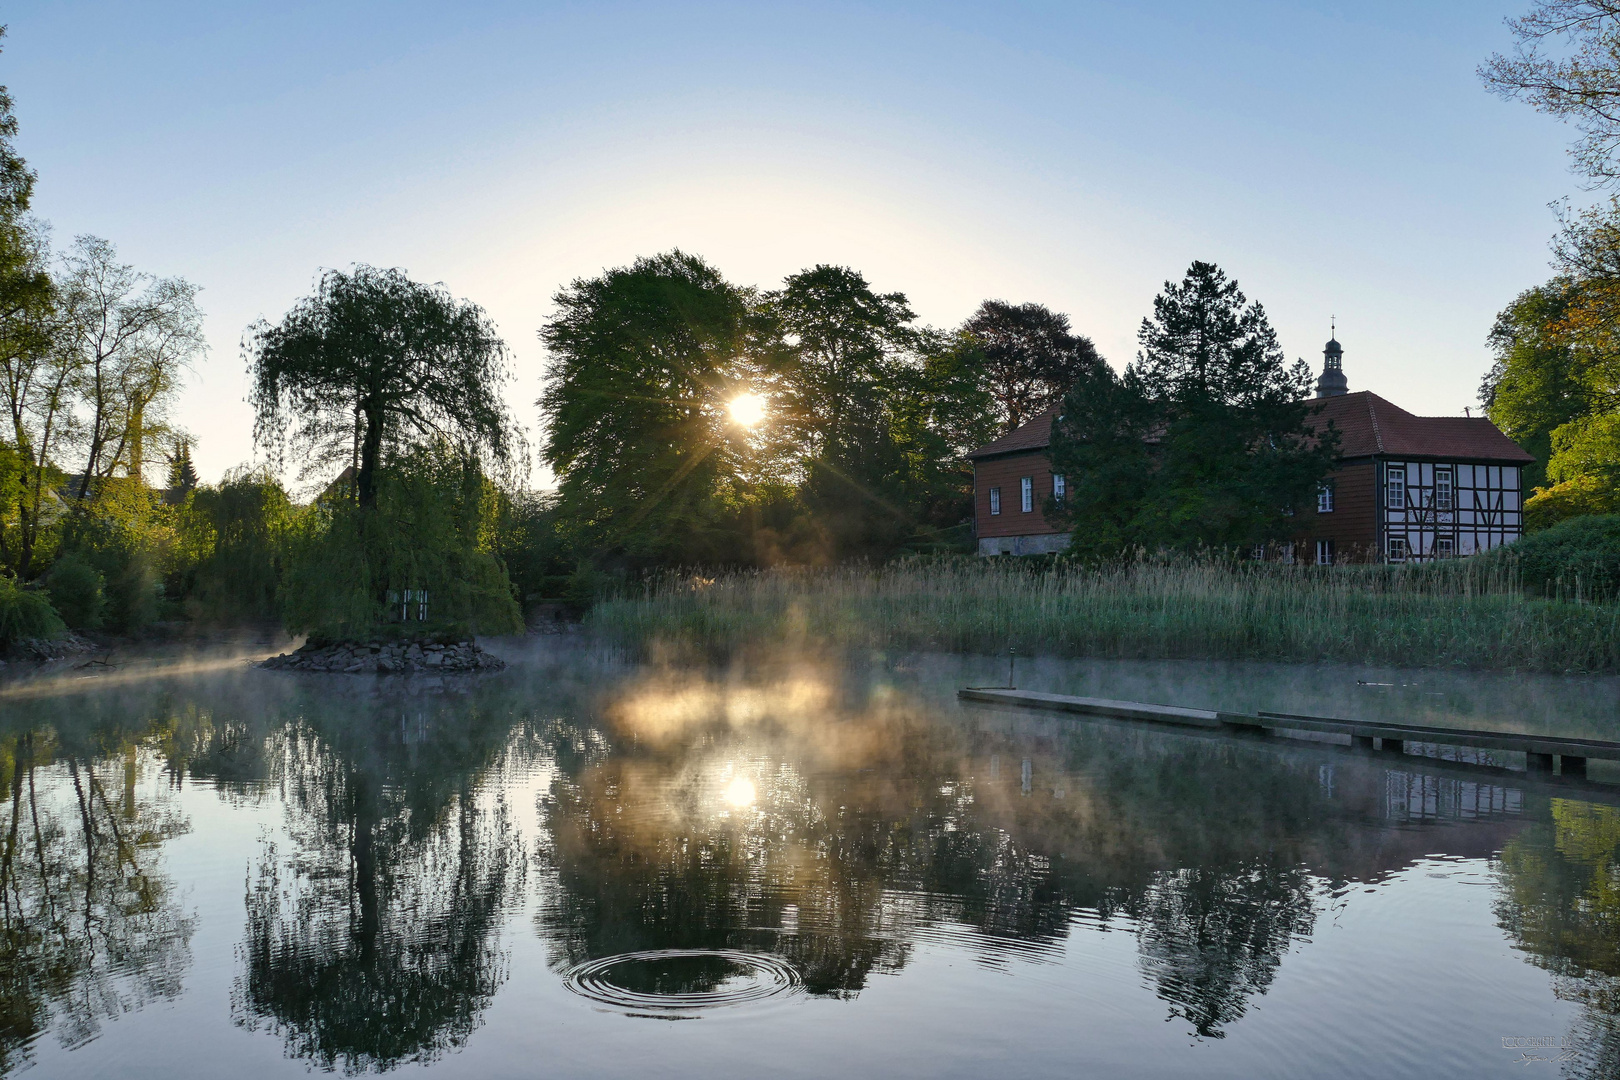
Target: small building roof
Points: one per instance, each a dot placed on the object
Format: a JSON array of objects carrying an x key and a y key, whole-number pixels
[
  {"x": 1368, "y": 426},
  {"x": 1034, "y": 435}
]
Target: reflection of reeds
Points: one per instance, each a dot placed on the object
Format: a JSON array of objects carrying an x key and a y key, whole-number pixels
[{"x": 1461, "y": 613}]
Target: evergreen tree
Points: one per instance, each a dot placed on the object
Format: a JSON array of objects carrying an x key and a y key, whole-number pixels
[
  {"x": 1206, "y": 440},
  {"x": 182, "y": 475}
]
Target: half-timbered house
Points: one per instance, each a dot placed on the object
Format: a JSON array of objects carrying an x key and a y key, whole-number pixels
[{"x": 1406, "y": 487}]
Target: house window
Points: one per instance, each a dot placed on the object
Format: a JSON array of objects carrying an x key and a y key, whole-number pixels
[
  {"x": 1060, "y": 487},
  {"x": 1324, "y": 553},
  {"x": 1395, "y": 486},
  {"x": 1324, "y": 499},
  {"x": 995, "y": 500},
  {"x": 1442, "y": 489},
  {"x": 1397, "y": 549},
  {"x": 1026, "y": 493},
  {"x": 1444, "y": 547}
]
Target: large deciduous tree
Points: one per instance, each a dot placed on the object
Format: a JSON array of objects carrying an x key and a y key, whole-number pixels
[
  {"x": 1566, "y": 63},
  {"x": 1205, "y": 441},
  {"x": 374, "y": 361},
  {"x": 643, "y": 360},
  {"x": 1030, "y": 357},
  {"x": 1555, "y": 383},
  {"x": 33, "y": 392},
  {"x": 850, "y": 360},
  {"x": 1540, "y": 379},
  {"x": 126, "y": 338}
]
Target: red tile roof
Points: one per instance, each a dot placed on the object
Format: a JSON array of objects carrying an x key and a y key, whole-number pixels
[{"x": 1367, "y": 424}]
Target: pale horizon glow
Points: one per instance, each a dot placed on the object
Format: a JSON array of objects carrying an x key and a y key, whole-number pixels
[{"x": 1334, "y": 158}]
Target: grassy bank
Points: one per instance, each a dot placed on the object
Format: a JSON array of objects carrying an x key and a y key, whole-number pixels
[{"x": 1467, "y": 613}]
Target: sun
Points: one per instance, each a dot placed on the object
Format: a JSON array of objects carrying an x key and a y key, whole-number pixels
[
  {"x": 747, "y": 409},
  {"x": 740, "y": 792}
]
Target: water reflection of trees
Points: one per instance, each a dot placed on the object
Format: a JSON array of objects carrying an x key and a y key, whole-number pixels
[
  {"x": 874, "y": 827},
  {"x": 1559, "y": 896},
  {"x": 90, "y": 925},
  {"x": 372, "y": 932}
]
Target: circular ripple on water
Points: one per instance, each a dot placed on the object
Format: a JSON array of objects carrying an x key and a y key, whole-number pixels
[{"x": 666, "y": 982}]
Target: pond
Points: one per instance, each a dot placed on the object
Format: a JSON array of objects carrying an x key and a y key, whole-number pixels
[{"x": 584, "y": 866}]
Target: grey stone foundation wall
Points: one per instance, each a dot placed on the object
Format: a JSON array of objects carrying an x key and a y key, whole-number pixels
[{"x": 1044, "y": 544}]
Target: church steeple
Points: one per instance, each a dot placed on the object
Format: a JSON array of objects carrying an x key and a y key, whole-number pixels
[{"x": 1332, "y": 382}]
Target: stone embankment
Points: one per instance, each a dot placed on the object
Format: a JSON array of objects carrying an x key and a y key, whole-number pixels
[{"x": 389, "y": 657}]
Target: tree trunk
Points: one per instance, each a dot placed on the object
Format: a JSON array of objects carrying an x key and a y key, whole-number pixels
[
  {"x": 370, "y": 457},
  {"x": 137, "y": 463}
]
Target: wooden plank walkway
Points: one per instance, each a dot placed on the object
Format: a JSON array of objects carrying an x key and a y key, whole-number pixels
[{"x": 1539, "y": 750}]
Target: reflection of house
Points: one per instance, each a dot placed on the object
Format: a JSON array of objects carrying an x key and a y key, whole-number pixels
[{"x": 1406, "y": 487}]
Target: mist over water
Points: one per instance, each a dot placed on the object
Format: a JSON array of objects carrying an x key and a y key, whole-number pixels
[{"x": 821, "y": 865}]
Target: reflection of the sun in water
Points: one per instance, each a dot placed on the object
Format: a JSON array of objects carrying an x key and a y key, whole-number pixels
[{"x": 740, "y": 792}]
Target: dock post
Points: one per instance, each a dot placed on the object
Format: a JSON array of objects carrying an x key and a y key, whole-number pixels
[
  {"x": 1542, "y": 763},
  {"x": 1361, "y": 742},
  {"x": 1396, "y": 745},
  {"x": 1572, "y": 766}
]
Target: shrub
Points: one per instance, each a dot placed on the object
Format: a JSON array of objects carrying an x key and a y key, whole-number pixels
[
  {"x": 77, "y": 591},
  {"x": 1580, "y": 496},
  {"x": 1576, "y": 559},
  {"x": 25, "y": 613}
]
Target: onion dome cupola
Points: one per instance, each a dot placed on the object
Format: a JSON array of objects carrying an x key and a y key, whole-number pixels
[{"x": 1332, "y": 383}]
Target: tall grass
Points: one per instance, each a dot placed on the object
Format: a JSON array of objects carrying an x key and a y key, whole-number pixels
[{"x": 1465, "y": 613}]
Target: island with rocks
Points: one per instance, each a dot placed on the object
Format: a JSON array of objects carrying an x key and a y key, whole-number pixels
[{"x": 389, "y": 657}]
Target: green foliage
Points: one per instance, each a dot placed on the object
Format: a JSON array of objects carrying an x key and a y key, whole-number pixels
[
  {"x": 25, "y": 613},
  {"x": 1575, "y": 559},
  {"x": 1539, "y": 380},
  {"x": 231, "y": 543},
  {"x": 1575, "y": 497},
  {"x": 643, "y": 361},
  {"x": 845, "y": 352},
  {"x": 375, "y": 363},
  {"x": 126, "y": 534},
  {"x": 530, "y": 544},
  {"x": 75, "y": 589},
  {"x": 1206, "y": 441},
  {"x": 432, "y": 528}
]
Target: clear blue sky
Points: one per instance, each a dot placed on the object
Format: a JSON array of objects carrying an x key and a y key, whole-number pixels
[{"x": 1335, "y": 157}]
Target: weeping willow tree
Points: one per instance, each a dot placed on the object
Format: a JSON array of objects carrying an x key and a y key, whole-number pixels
[{"x": 401, "y": 382}]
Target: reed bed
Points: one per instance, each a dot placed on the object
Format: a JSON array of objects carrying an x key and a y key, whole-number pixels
[{"x": 1468, "y": 613}]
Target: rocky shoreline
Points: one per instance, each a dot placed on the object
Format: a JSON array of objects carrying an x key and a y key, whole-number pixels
[{"x": 389, "y": 657}]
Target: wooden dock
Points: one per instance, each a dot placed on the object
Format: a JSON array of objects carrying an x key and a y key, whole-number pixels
[{"x": 1541, "y": 751}]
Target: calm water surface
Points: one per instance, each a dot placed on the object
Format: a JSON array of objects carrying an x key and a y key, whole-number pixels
[{"x": 584, "y": 867}]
